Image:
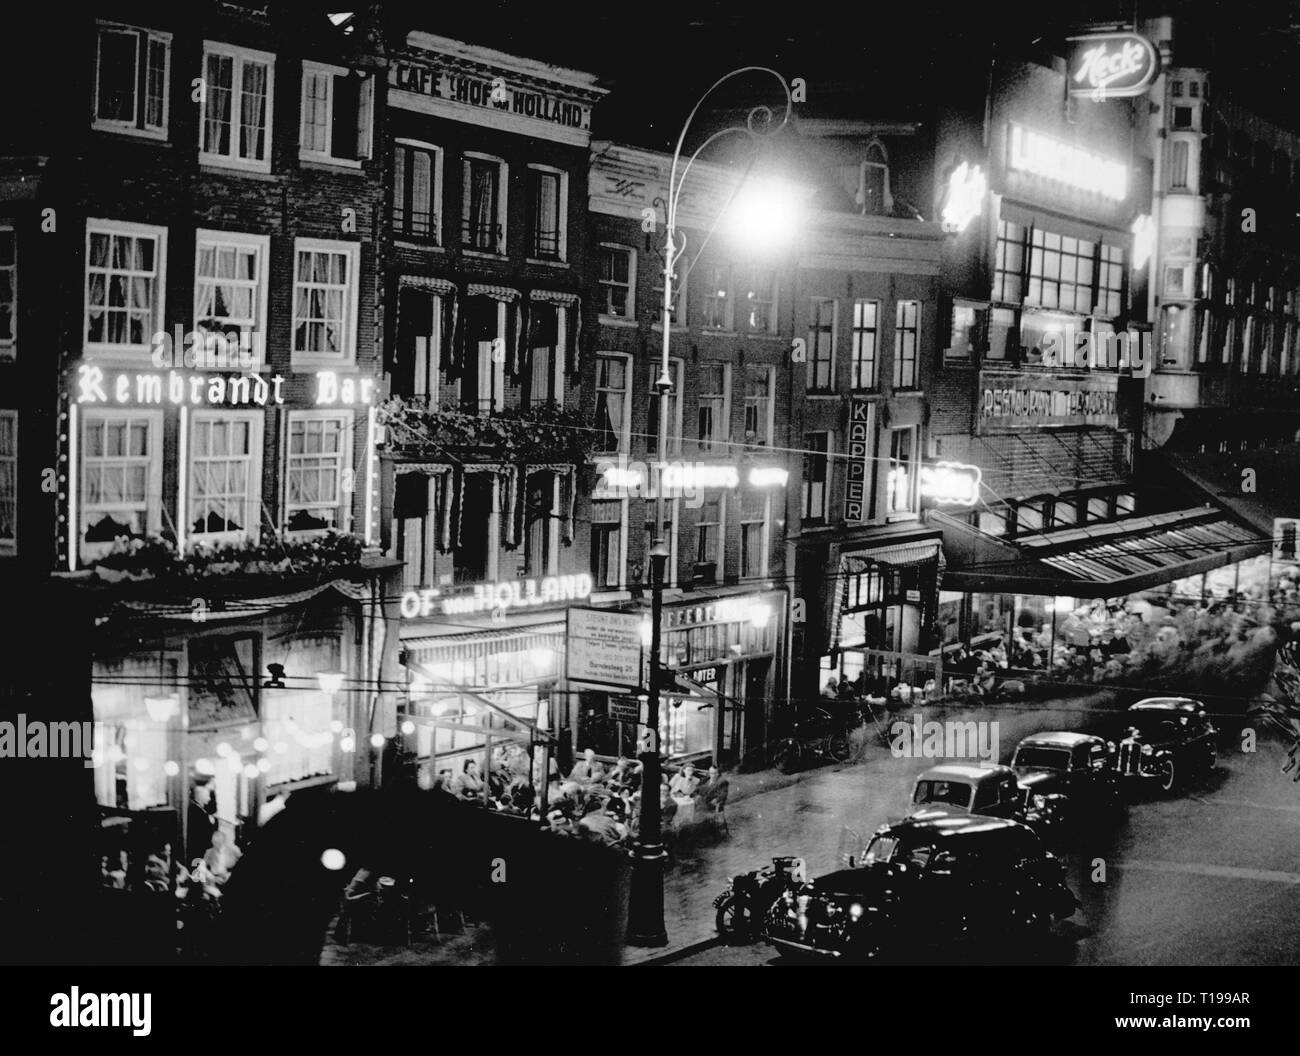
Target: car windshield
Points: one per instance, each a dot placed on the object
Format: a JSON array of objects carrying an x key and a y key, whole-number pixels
[
  {"x": 1157, "y": 725},
  {"x": 881, "y": 849},
  {"x": 1048, "y": 758},
  {"x": 953, "y": 792}
]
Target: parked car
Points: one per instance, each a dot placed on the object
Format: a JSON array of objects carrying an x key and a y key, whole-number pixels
[
  {"x": 1070, "y": 773},
  {"x": 1168, "y": 741},
  {"x": 926, "y": 882},
  {"x": 993, "y": 791}
]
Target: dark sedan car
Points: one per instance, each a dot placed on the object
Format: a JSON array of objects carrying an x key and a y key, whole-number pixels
[
  {"x": 1168, "y": 741},
  {"x": 926, "y": 882},
  {"x": 1066, "y": 775}
]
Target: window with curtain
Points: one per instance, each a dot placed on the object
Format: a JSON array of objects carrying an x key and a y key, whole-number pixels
[
  {"x": 816, "y": 475},
  {"x": 607, "y": 542},
  {"x": 123, "y": 284},
  {"x": 336, "y": 115},
  {"x": 130, "y": 747},
  {"x": 901, "y": 482},
  {"x": 758, "y": 405},
  {"x": 540, "y": 518},
  {"x": 482, "y": 212},
  {"x": 131, "y": 72},
  {"x": 753, "y": 534},
  {"x": 225, "y": 477},
  {"x": 236, "y": 106},
  {"x": 708, "y": 530},
  {"x": 415, "y": 192},
  {"x": 611, "y": 404},
  {"x": 315, "y": 466},
  {"x": 1179, "y": 152},
  {"x": 545, "y": 195},
  {"x": 717, "y": 298},
  {"x": 230, "y": 285},
  {"x": 121, "y": 476},
  {"x": 711, "y": 384},
  {"x": 617, "y": 279},
  {"x": 325, "y": 289},
  {"x": 760, "y": 301}
]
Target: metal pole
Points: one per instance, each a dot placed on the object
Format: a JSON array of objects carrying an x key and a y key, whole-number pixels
[{"x": 646, "y": 906}]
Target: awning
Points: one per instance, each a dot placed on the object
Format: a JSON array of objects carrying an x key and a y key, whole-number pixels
[
  {"x": 900, "y": 555},
  {"x": 1100, "y": 560},
  {"x": 443, "y": 648},
  {"x": 1276, "y": 494}
]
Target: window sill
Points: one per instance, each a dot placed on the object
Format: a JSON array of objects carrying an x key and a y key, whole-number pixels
[
  {"x": 225, "y": 166},
  {"x": 908, "y": 392},
  {"x": 614, "y": 320},
  {"x": 547, "y": 263},
  {"x": 303, "y": 364},
  {"x": 432, "y": 247},
  {"x": 484, "y": 254},
  {"x": 676, "y": 328},
  {"x": 720, "y": 331},
  {"x": 327, "y": 163},
  {"x": 158, "y": 138},
  {"x": 138, "y": 356}
]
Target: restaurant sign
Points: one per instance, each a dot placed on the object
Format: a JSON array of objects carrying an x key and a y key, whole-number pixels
[
  {"x": 1111, "y": 65},
  {"x": 497, "y": 597},
  {"x": 1011, "y": 402}
]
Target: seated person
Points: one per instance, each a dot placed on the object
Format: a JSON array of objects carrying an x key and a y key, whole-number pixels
[
  {"x": 221, "y": 857},
  {"x": 588, "y": 771},
  {"x": 600, "y": 827},
  {"x": 684, "y": 783},
  {"x": 471, "y": 783},
  {"x": 618, "y": 777},
  {"x": 715, "y": 790}
]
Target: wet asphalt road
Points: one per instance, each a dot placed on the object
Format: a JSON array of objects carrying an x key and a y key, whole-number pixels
[{"x": 1207, "y": 877}]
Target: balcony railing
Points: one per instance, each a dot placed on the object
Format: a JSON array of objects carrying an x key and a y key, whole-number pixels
[{"x": 486, "y": 238}]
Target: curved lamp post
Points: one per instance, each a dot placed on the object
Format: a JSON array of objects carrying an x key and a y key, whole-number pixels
[{"x": 646, "y": 905}]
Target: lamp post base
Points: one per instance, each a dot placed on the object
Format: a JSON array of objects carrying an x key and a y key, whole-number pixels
[{"x": 645, "y": 913}]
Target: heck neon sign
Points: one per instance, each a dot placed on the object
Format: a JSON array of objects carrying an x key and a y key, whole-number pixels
[{"x": 1112, "y": 65}]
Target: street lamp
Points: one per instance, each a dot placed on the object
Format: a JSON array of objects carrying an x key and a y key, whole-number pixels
[{"x": 646, "y": 903}]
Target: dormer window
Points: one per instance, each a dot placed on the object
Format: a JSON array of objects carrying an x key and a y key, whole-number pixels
[{"x": 873, "y": 198}]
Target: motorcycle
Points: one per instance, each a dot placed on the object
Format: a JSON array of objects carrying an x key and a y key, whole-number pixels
[
  {"x": 817, "y": 735},
  {"x": 743, "y": 906}
]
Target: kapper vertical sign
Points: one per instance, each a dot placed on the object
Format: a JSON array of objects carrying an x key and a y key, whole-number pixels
[{"x": 857, "y": 492}]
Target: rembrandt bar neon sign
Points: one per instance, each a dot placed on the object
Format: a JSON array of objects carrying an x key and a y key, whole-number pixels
[
  {"x": 1053, "y": 160},
  {"x": 493, "y": 597},
  {"x": 96, "y": 385}
]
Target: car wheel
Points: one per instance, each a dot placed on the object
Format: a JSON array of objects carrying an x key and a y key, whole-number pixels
[
  {"x": 733, "y": 923},
  {"x": 1168, "y": 774},
  {"x": 838, "y": 746}
]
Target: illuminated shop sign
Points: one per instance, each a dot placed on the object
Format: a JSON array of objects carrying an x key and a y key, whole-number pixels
[
  {"x": 682, "y": 479},
  {"x": 953, "y": 483},
  {"x": 1112, "y": 65},
  {"x": 1051, "y": 159},
  {"x": 176, "y": 387},
  {"x": 497, "y": 597},
  {"x": 964, "y": 199},
  {"x": 1010, "y": 402}
]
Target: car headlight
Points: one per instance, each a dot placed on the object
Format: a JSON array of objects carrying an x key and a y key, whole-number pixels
[
  {"x": 855, "y": 910},
  {"x": 1147, "y": 749}
]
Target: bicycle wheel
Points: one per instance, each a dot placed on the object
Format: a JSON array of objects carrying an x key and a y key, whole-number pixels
[{"x": 838, "y": 746}]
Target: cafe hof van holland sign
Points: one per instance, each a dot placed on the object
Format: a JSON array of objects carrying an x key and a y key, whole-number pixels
[
  {"x": 1105, "y": 66},
  {"x": 1011, "y": 402},
  {"x": 545, "y": 102}
]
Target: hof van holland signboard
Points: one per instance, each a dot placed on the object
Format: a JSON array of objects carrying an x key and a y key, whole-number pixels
[
  {"x": 1111, "y": 65},
  {"x": 1011, "y": 402}
]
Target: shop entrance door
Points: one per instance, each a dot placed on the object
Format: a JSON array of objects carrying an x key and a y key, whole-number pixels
[{"x": 755, "y": 707}]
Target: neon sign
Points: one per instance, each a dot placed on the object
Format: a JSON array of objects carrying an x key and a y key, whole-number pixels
[
  {"x": 1043, "y": 156},
  {"x": 954, "y": 483},
  {"x": 95, "y": 385},
  {"x": 497, "y": 597},
  {"x": 1112, "y": 65},
  {"x": 964, "y": 200}
]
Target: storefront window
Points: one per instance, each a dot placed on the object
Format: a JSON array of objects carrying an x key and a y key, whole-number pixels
[
  {"x": 686, "y": 729},
  {"x": 132, "y": 748}
]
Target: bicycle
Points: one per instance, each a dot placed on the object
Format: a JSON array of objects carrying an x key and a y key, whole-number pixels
[{"x": 818, "y": 736}]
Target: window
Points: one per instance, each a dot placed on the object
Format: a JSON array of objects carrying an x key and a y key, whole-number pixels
[
  {"x": 124, "y": 291},
  {"x": 131, "y": 74},
  {"x": 714, "y": 414},
  {"x": 873, "y": 196},
  {"x": 607, "y": 519},
  {"x": 906, "y": 335},
  {"x": 541, "y": 524},
  {"x": 337, "y": 115},
  {"x": 1179, "y": 150},
  {"x": 1061, "y": 272},
  {"x": 1009, "y": 263},
  {"x": 760, "y": 302},
  {"x": 324, "y": 301},
  {"x": 237, "y": 105},
  {"x": 1182, "y": 117},
  {"x": 545, "y": 377},
  {"x": 754, "y": 512},
  {"x": 318, "y": 460},
  {"x": 866, "y": 316},
  {"x": 121, "y": 477},
  {"x": 617, "y": 281},
  {"x": 1194, "y": 88},
  {"x": 758, "y": 406},
  {"x": 708, "y": 531},
  {"x": 8, "y": 481},
  {"x": 417, "y": 191},
  {"x": 1110, "y": 287},
  {"x": 965, "y": 331},
  {"x": 821, "y": 345},
  {"x": 230, "y": 286},
  {"x": 901, "y": 483},
  {"x": 1176, "y": 89},
  {"x": 670, "y": 540},
  {"x": 674, "y": 410},
  {"x": 816, "y": 463},
  {"x": 8, "y": 294},
  {"x": 612, "y": 404},
  {"x": 717, "y": 300},
  {"x": 548, "y": 206},
  {"x": 483, "y": 204},
  {"x": 225, "y": 475},
  {"x": 677, "y": 314}
]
